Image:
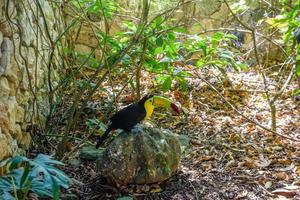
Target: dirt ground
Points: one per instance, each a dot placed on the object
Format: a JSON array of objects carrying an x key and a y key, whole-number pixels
[{"x": 229, "y": 158}]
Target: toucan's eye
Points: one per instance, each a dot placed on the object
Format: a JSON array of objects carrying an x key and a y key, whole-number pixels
[{"x": 151, "y": 101}]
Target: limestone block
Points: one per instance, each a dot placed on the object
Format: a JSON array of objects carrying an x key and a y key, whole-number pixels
[
  {"x": 98, "y": 54},
  {"x": 5, "y": 29},
  {"x": 22, "y": 138},
  {"x": 208, "y": 7},
  {"x": 17, "y": 44},
  {"x": 1, "y": 39},
  {"x": 1, "y": 5},
  {"x": 5, "y": 145},
  {"x": 26, "y": 25},
  {"x": 219, "y": 16},
  {"x": 31, "y": 57},
  {"x": 12, "y": 110},
  {"x": 4, "y": 88},
  {"x": 19, "y": 114},
  {"x": 86, "y": 36},
  {"x": 12, "y": 77},
  {"x": 5, "y": 124},
  {"x": 83, "y": 49},
  {"x": 49, "y": 14},
  {"x": 23, "y": 96},
  {"x": 26, "y": 141},
  {"x": 12, "y": 12},
  {"x": 6, "y": 50},
  {"x": 18, "y": 132}
]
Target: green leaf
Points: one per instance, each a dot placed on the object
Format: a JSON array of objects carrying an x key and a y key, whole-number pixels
[
  {"x": 182, "y": 83},
  {"x": 55, "y": 188},
  {"x": 14, "y": 162},
  {"x": 298, "y": 70},
  {"x": 41, "y": 190},
  {"x": 171, "y": 36},
  {"x": 182, "y": 73},
  {"x": 159, "y": 41},
  {"x": 240, "y": 66},
  {"x": 226, "y": 55},
  {"x": 158, "y": 50},
  {"x": 231, "y": 36},
  {"x": 203, "y": 46},
  {"x": 200, "y": 63},
  {"x": 297, "y": 92},
  {"x": 38, "y": 175},
  {"x": 5, "y": 184},
  {"x": 158, "y": 68},
  {"x": 126, "y": 59},
  {"x": 158, "y": 21},
  {"x": 180, "y": 30},
  {"x": 7, "y": 196},
  {"x": 218, "y": 36},
  {"x": 167, "y": 84},
  {"x": 130, "y": 26},
  {"x": 25, "y": 176}
]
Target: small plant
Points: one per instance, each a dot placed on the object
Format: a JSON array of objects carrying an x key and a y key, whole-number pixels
[{"x": 38, "y": 176}]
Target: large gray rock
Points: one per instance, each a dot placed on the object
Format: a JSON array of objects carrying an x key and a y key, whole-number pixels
[{"x": 143, "y": 156}]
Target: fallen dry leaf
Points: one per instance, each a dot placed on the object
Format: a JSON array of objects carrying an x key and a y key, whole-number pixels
[
  {"x": 288, "y": 192},
  {"x": 207, "y": 158},
  {"x": 262, "y": 162},
  {"x": 281, "y": 175}
]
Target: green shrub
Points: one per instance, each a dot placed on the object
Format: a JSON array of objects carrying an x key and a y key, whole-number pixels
[{"x": 38, "y": 176}]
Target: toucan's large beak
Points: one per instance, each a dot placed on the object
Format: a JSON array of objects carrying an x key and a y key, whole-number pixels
[{"x": 159, "y": 101}]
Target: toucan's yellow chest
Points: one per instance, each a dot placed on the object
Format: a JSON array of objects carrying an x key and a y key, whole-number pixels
[{"x": 149, "y": 107}]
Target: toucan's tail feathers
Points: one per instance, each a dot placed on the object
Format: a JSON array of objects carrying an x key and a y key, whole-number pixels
[{"x": 101, "y": 139}]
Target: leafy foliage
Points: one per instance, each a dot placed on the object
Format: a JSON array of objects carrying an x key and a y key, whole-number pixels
[
  {"x": 288, "y": 22},
  {"x": 215, "y": 51},
  {"x": 162, "y": 45},
  {"x": 38, "y": 176},
  {"x": 107, "y": 7},
  {"x": 165, "y": 48}
]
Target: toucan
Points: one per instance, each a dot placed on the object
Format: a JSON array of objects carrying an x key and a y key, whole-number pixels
[{"x": 129, "y": 116}]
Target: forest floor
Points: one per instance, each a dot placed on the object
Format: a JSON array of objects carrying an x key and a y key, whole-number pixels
[{"x": 229, "y": 157}]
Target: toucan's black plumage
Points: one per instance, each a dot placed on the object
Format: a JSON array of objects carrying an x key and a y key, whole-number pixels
[{"x": 126, "y": 118}]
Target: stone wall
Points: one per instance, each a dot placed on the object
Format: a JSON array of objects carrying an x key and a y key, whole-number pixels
[{"x": 24, "y": 57}]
